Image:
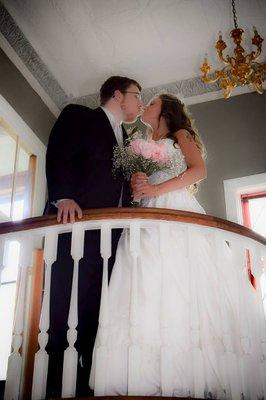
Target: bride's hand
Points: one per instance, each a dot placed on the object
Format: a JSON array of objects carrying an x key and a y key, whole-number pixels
[{"x": 145, "y": 189}]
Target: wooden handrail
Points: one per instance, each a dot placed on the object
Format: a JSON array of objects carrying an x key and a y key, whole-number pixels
[{"x": 137, "y": 213}]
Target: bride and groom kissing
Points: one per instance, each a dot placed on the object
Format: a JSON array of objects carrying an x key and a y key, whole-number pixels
[{"x": 79, "y": 172}]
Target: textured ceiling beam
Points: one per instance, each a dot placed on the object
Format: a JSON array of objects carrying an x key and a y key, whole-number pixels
[
  {"x": 30, "y": 58},
  {"x": 185, "y": 89}
]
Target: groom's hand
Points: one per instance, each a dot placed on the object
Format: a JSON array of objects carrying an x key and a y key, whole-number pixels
[
  {"x": 67, "y": 209},
  {"x": 137, "y": 180}
]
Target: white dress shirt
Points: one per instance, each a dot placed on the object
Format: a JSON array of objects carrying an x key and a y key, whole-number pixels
[{"x": 117, "y": 126}]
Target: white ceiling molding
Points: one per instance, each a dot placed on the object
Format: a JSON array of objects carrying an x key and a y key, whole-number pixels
[
  {"x": 16, "y": 60},
  {"x": 16, "y": 39}
]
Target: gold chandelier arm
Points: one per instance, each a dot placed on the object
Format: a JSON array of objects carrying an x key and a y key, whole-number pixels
[
  {"x": 207, "y": 79},
  {"x": 218, "y": 75},
  {"x": 257, "y": 83},
  {"x": 256, "y": 41},
  {"x": 225, "y": 59},
  {"x": 227, "y": 85},
  {"x": 261, "y": 67},
  {"x": 258, "y": 88},
  {"x": 254, "y": 55}
]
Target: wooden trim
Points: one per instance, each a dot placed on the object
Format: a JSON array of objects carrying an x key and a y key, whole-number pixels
[
  {"x": 34, "y": 320},
  {"x": 14, "y": 178},
  {"x": 245, "y": 212},
  {"x": 255, "y": 195},
  {"x": 137, "y": 213},
  {"x": 32, "y": 171}
]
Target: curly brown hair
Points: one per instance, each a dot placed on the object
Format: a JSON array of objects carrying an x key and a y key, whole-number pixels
[{"x": 177, "y": 117}]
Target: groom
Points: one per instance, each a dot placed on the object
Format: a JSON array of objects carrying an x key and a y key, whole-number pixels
[{"x": 79, "y": 176}]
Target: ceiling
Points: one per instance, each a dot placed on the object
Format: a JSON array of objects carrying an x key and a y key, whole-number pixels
[{"x": 157, "y": 42}]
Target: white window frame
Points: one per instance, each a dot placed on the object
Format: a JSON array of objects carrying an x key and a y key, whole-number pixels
[
  {"x": 234, "y": 188},
  {"x": 35, "y": 146}
]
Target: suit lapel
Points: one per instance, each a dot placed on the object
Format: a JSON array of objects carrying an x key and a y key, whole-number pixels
[{"x": 105, "y": 124}]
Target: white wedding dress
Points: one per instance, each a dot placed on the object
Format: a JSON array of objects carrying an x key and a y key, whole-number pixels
[{"x": 198, "y": 323}]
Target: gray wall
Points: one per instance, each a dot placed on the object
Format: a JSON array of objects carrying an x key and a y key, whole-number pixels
[
  {"x": 25, "y": 101},
  {"x": 234, "y": 133}
]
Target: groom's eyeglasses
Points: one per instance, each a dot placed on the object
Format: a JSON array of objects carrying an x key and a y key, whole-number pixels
[{"x": 137, "y": 93}]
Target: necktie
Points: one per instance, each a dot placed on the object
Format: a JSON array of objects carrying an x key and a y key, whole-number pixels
[{"x": 118, "y": 134}]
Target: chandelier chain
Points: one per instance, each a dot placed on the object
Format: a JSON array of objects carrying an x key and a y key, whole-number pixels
[{"x": 234, "y": 14}]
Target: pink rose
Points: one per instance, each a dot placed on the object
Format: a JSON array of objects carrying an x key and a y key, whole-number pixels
[
  {"x": 150, "y": 149},
  {"x": 135, "y": 146}
]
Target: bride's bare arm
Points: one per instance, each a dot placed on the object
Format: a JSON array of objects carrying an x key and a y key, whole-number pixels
[{"x": 196, "y": 170}]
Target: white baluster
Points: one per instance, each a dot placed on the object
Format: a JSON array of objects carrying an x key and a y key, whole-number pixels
[
  {"x": 41, "y": 357},
  {"x": 101, "y": 351},
  {"x": 71, "y": 354},
  {"x": 14, "y": 368},
  {"x": 166, "y": 350},
  {"x": 134, "y": 357},
  {"x": 2, "y": 255}
]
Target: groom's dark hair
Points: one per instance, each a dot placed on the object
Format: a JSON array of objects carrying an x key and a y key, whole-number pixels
[{"x": 115, "y": 83}]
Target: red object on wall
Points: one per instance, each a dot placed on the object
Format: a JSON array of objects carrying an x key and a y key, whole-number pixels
[{"x": 251, "y": 277}]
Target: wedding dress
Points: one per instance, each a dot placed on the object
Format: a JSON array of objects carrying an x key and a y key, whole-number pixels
[{"x": 198, "y": 324}]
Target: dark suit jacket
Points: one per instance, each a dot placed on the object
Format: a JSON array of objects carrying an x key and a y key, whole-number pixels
[{"x": 79, "y": 160}]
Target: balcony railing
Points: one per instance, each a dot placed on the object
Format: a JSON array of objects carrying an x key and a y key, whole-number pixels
[{"x": 28, "y": 361}]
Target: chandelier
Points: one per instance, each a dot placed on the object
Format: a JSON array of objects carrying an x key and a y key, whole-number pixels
[{"x": 240, "y": 69}]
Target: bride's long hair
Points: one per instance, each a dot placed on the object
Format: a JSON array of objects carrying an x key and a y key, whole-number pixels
[{"x": 177, "y": 117}]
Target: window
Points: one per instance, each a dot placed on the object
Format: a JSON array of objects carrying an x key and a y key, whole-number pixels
[
  {"x": 254, "y": 211},
  {"x": 17, "y": 175},
  {"x": 245, "y": 200},
  {"x": 22, "y": 195},
  {"x": 254, "y": 217}
]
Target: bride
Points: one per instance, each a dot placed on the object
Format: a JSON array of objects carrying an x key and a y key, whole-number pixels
[{"x": 178, "y": 346}]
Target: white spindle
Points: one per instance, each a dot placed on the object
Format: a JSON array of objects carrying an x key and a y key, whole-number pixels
[
  {"x": 166, "y": 350},
  {"x": 101, "y": 351},
  {"x": 2, "y": 256},
  {"x": 41, "y": 357},
  {"x": 71, "y": 354},
  {"x": 14, "y": 368},
  {"x": 134, "y": 356}
]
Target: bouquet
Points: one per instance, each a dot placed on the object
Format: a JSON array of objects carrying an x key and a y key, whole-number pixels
[{"x": 140, "y": 155}]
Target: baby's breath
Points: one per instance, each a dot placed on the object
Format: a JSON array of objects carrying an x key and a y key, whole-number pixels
[{"x": 129, "y": 163}]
